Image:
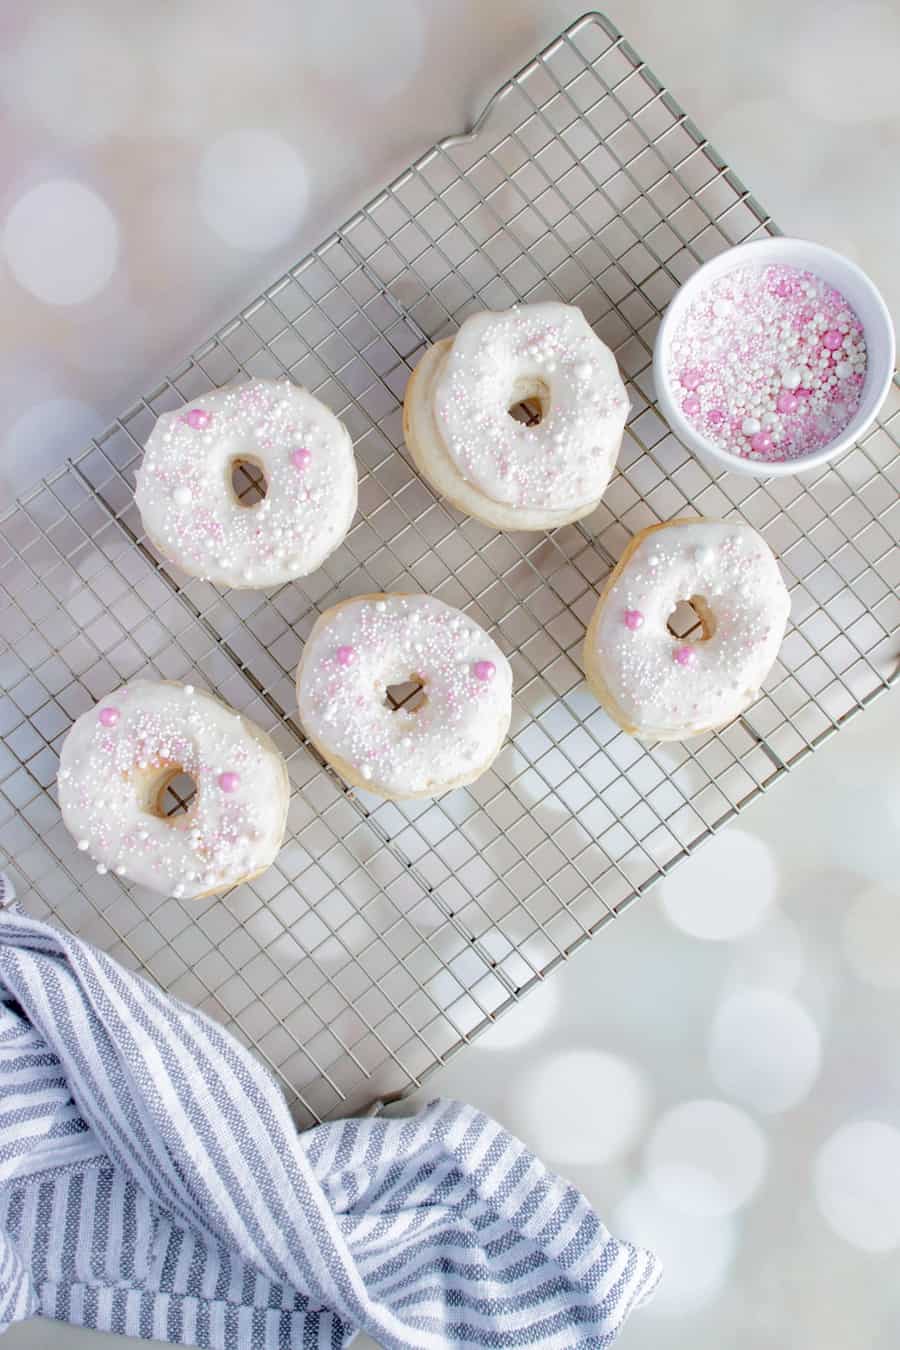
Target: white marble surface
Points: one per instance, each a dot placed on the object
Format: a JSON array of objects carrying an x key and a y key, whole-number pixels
[{"x": 718, "y": 1070}]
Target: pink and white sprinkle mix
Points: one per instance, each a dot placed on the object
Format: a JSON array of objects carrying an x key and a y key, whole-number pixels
[{"x": 769, "y": 362}]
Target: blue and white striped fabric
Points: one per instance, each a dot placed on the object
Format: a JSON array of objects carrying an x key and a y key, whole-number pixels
[{"x": 152, "y": 1183}]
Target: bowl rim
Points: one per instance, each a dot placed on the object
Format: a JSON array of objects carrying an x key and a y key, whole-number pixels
[{"x": 694, "y": 439}]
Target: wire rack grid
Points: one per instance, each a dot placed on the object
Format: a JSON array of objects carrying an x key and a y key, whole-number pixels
[{"x": 388, "y": 935}]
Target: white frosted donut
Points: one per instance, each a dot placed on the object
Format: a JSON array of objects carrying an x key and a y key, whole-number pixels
[
  {"x": 359, "y": 649},
  {"x": 192, "y": 513},
  {"x": 664, "y": 688},
  {"x": 117, "y": 761},
  {"x": 457, "y": 423}
]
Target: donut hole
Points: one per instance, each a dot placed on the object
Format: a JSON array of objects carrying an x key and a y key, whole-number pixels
[
  {"x": 530, "y": 401},
  {"x": 248, "y": 482},
  {"x": 408, "y": 695},
  {"x": 692, "y": 620},
  {"x": 173, "y": 793}
]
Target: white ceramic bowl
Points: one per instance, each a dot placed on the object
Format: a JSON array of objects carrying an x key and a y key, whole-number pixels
[{"x": 857, "y": 289}]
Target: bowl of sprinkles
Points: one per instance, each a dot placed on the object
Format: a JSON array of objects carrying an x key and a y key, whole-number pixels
[{"x": 774, "y": 357}]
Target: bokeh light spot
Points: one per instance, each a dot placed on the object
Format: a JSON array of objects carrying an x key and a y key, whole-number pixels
[
  {"x": 856, "y": 1177},
  {"x": 706, "y": 1158},
  {"x": 725, "y": 890},
  {"x": 525, "y": 1022},
  {"x": 253, "y": 189},
  {"x": 764, "y": 1050},
  {"x": 580, "y": 1106},
  {"x": 696, "y": 1253},
  {"x": 397, "y": 28},
  {"x": 76, "y": 75},
  {"x": 61, "y": 242},
  {"x": 871, "y": 934}
]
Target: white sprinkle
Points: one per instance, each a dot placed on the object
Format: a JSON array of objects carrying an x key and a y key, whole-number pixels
[
  {"x": 750, "y": 426},
  {"x": 366, "y": 770},
  {"x": 181, "y": 496},
  {"x": 102, "y": 869},
  {"x": 188, "y": 689},
  {"x": 84, "y": 845}
]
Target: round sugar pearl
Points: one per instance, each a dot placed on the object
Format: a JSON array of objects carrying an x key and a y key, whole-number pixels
[{"x": 769, "y": 345}]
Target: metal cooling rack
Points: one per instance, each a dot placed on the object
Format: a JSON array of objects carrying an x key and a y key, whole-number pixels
[{"x": 386, "y": 936}]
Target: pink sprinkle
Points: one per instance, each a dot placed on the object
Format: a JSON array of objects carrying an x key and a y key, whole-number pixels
[
  {"x": 634, "y": 619},
  {"x": 198, "y": 418},
  {"x": 684, "y": 656},
  {"x": 229, "y": 781},
  {"x": 300, "y": 457},
  {"x": 484, "y": 670},
  {"x": 108, "y": 716},
  {"x": 345, "y": 656},
  {"x": 723, "y": 387}
]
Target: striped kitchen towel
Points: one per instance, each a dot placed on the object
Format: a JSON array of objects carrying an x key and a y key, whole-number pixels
[{"x": 152, "y": 1182}]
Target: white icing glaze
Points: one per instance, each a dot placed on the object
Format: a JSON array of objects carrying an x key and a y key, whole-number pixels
[
  {"x": 188, "y": 505},
  {"x": 664, "y": 686},
  {"x": 499, "y": 359},
  {"x": 110, "y": 777},
  {"x": 393, "y": 639}
]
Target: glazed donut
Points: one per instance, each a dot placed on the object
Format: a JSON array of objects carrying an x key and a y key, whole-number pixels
[
  {"x": 359, "y": 649},
  {"x": 663, "y": 688},
  {"x": 190, "y": 509},
  {"x": 457, "y": 423},
  {"x": 117, "y": 761}
]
